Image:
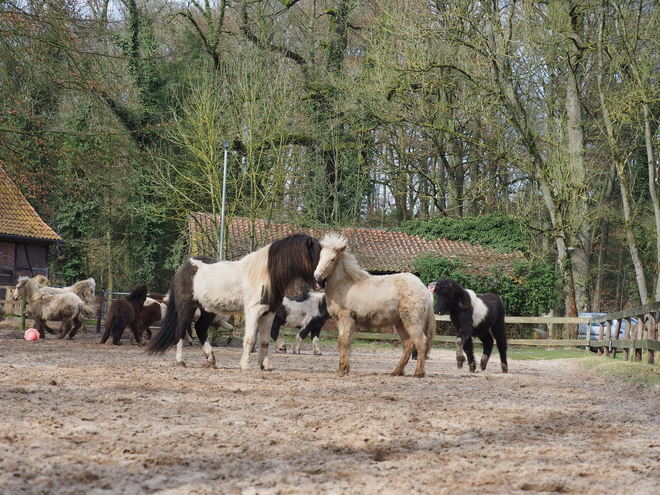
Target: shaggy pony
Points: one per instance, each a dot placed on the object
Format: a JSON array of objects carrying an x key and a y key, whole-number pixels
[
  {"x": 355, "y": 297},
  {"x": 67, "y": 308}
]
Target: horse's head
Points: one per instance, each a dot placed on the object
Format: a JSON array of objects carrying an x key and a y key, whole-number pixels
[
  {"x": 445, "y": 291},
  {"x": 332, "y": 247},
  {"x": 19, "y": 292}
]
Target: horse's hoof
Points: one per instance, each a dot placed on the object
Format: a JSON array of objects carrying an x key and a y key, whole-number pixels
[
  {"x": 229, "y": 340},
  {"x": 397, "y": 373},
  {"x": 459, "y": 365},
  {"x": 181, "y": 364},
  {"x": 209, "y": 365},
  {"x": 473, "y": 368},
  {"x": 318, "y": 353},
  {"x": 505, "y": 368},
  {"x": 420, "y": 374}
]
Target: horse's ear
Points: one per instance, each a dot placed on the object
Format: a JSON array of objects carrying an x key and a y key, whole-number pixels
[{"x": 341, "y": 249}]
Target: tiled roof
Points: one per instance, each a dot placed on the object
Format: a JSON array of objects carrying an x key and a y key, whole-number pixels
[
  {"x": 377, "y": 250},
  {"x": 17, "y": 217}
]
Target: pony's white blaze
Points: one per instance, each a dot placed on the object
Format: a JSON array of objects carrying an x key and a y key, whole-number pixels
[{"x": 479, "y": 308}]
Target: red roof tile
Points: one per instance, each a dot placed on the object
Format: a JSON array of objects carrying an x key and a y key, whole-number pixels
[
  {"x": 376, "y": 250},
  {"x": 17, "y": 217}
]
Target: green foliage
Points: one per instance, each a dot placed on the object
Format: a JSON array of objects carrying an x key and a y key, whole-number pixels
[
  {"x": 530, "y": 291},
  {"x": 496, "y": 231}
]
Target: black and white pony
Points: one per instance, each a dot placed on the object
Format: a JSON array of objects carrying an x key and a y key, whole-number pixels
[
  {"x": 254, "y": 285},
  {"x": 307, "y": 312},
  {"x": 472, "y": 315}
]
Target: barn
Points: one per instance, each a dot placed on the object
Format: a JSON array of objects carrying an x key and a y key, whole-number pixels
[{"x": 25, "y": 239}]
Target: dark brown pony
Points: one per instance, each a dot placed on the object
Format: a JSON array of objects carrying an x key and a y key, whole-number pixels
[
  {"x": 125, "y": 312},
  {"x": 255, "y": 285}
]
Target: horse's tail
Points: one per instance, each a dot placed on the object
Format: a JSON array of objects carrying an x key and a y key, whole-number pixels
[
  {"x": 89, "y": 309},
  {"x": 165, "y": 337},
  {"x": 430, "y": 330}
]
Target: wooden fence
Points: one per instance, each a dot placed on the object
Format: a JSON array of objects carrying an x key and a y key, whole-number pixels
[{"x": 641, "y": 332}]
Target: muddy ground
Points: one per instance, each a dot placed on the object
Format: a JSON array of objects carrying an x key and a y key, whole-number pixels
[{"x": 80, "y": 417}]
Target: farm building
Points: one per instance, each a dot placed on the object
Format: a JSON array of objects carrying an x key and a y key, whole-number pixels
[
  {"x": 378, "y": 251},
  {"x": 25, "y": 238}
]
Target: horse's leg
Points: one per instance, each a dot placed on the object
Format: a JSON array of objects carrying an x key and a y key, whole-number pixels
[
  {"x": 201, "y": 329},
  {"x": 264, "y": 325},
  {"x": 316, "y": 333},
  {"x": 487, "y": 341},
  {"x": 418, "y": 338},
  {"x": 298, "y": 344},
  {"x": 40, "y": 325},
  {"x": 251, "y": 326},
  {"x": 66, "y": 326},
  {"x": 407, "y": 345},
  {"x": 469, "y": 351},
  {"x": 463, "y": 335},
  {"x": 77, "y": 325},
  {"x": 136, "y": 331},
  {"x": 108, "y": 328},
  {"x": 185, "y": 315},
  {"x": 500, "y": 338},
  {"x": 346, "y": 326},
  {"x": 280, "y": 345}
]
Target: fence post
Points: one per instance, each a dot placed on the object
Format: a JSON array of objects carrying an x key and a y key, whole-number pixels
[
  {"x": 653, "y": 335},
  {"x": 640, "y": 336},
  {"x": 99, "y": 314}
]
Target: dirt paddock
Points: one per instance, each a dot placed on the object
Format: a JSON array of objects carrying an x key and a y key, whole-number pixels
[{"x": 80, "y": 417}]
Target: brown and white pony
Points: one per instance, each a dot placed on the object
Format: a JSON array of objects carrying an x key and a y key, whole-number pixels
[
  {"x": 355, "y": 297},
  {"x": 254, "y": 285},
  {"x": 67, "y": 308}
]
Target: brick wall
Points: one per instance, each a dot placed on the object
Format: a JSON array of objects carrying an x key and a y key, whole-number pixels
[{"x": 7, "y": 253}]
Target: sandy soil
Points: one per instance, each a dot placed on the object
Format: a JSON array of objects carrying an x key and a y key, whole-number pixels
[{"x": 78, "y": 417}]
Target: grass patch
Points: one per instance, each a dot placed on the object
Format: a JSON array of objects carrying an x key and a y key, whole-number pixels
[
  {"x": 539, "y": 353},
  {"x": 642, "y": 374}
]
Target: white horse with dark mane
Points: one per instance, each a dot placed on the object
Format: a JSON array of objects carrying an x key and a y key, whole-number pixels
[
  {"x": 254, "y": 285},
  {"x": 355, "y": 297}
]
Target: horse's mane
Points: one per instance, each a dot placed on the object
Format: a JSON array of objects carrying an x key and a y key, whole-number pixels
[
  {"x": 287, "y": 259},
  {"x": 87, "y": 287},
  {"x": 138, "y": 291},
  {"x": 347, "y": 265}
]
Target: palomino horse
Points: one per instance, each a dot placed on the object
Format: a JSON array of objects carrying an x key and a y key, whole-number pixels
[
  {"x": 356, "y": 297},
  {"x": 66, "y": 307},
  {"x": 471, "y": 315},
  {"x": 255, "y": 285}
]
